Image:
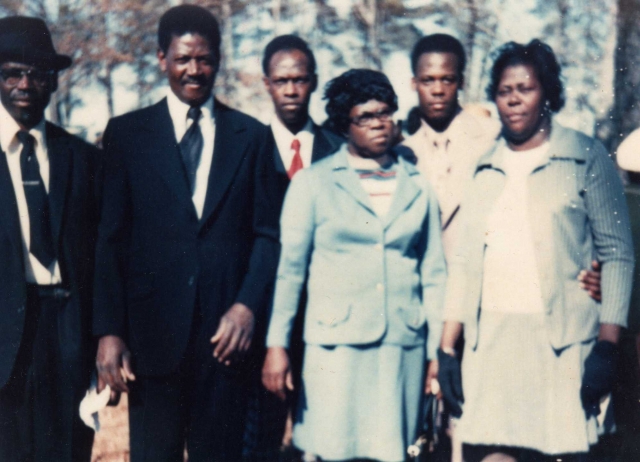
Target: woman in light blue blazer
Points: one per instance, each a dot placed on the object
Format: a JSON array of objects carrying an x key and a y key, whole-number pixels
[
  {"x": 361, "y": 229},
  {"x": 539, "y": 353}
]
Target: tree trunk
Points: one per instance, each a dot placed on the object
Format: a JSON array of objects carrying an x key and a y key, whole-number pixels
[
  {"x": 366, "y": 12},
  {"x": 373, "y": 35},
  {"x": 275, "y": 11},
  {"x": 470, "y": 44},
  {"x": 626, "y": 112},
  {"x": 107, "y": 82},
  {"x": 55, "y": 109}
]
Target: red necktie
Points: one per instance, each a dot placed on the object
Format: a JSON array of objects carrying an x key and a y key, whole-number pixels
[{"x": 296, "y": 163}]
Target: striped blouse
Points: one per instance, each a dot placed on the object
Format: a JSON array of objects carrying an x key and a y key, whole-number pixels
[{"x": 378, "y": 181}]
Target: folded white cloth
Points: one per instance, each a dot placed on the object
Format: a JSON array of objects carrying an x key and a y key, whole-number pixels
[{"x": 92, "y": 403}]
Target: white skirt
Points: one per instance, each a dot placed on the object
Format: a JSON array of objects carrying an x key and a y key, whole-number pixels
[{"x": 518, "y": 391}]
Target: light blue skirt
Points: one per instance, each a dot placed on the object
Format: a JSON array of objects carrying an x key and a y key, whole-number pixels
[
  {"x": 519, "y": 392},
  {"x": 360, "y": 402}
]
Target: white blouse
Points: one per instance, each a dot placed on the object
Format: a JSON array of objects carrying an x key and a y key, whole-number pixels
[{"x": 511, "y": 282}]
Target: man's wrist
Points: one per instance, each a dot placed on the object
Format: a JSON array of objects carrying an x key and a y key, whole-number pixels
[{"x": 609, "y": 333}]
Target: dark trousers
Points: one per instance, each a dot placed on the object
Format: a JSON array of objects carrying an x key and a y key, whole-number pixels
[
  {"x": 266, "y": 422},
  {"x": 477, "y": 452},
  {"x": 200, "y": 406},
  {"x": 267, "y": 414},
  {"x": 39, "y": 419}
]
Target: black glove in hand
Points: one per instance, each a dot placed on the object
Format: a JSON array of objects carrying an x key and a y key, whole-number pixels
[
  {"x": 450, "y": 379},
  {"x": 599, "y": 375}
]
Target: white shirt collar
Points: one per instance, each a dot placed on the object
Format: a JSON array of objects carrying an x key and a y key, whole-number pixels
[
  {"x": 9, "y": 141},
  {"x": 282, "y": 132},
  {"x": 284, "y": 138},
  {"x": 178, "y": 112}
]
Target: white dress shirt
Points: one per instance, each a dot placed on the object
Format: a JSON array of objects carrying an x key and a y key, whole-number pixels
[
  {"x": 35, "y": 272},
  {"x": 284, "y": 138},
  {"x": 178, "y": 112},
  {"x": 448, "y": 160}
]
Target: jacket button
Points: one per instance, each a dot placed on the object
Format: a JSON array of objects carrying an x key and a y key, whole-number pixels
[
  {"x": 378, "y": 246},
  {"x": 191, "y": 280},
  {"x": 379, "y": 287}
]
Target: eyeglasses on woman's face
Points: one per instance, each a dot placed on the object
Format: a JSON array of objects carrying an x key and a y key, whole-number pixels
[{"x": 369, "y": 119}]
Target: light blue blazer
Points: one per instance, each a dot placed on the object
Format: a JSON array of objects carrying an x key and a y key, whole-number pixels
[
  {"x": 370, "y": 278},
  {"x": 578, "y": 213}
]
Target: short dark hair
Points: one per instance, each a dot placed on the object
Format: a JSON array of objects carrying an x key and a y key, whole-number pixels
[
  {"x": 288, "y": 43},
  {"x": 438, "y": 43},
  {"x": 185, "y": 19},
  {"x": 354, "y": 87},
  {"x": 541, "y": 58}
]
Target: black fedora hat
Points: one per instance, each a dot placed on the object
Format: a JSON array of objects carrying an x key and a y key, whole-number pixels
[{"x": 28, "y": 40}]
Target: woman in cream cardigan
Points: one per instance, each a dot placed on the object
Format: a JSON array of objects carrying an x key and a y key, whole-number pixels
[
  {"x": 539, "y": 351},
  {"x": 361, "y": 228}
]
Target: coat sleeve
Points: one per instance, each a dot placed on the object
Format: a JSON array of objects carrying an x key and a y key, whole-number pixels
[
  {"x": 433, "y": 274},
  {"x": 609, "y": 219},
  {"x": 257, "y": 285},
  {"x": 460, "y": 277},
  {"x": 109, "y": 308},
  {"x": 297, "y": 226}
]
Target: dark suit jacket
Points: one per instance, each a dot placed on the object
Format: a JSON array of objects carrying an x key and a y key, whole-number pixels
[
  {"x": 73, "y": 199},
  {"x": 155, "y": 259},
  {"x": 325, "y": 143}
]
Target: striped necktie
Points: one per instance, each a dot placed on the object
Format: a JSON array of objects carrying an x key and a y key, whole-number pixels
[
  {"x": 41, "y": 241},
  {"x": 191, "y": 146}
]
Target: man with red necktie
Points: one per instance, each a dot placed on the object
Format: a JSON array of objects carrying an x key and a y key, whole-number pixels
[{"x": 290, "y": 79}]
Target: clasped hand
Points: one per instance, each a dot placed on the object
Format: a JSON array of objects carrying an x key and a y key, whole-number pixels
[
  {"x": 234, "y": 333},
  {"x": 113, "y": 363}
]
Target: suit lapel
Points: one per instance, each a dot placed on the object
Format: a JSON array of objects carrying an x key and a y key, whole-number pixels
[
  {"x": 60, "y": 163},
  {"x": 9, "y": 217},
  {"x": 322, "y": 146},
  {"x": 347, "y": 179},
  {"x": 280, "y": 168},
  {"x": 406, "y": 192},
  {"x": 163, "y": 153},
  {"x": 228, "y": 153}
]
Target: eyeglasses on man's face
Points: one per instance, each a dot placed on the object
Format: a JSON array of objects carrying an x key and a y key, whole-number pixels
[
  {"x": 13, "y": 75},
  {"x": 369, "y": 118}
]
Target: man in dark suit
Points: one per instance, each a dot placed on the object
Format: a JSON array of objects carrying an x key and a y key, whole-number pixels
[
  {"x": 290, "y": 78},
  {"x": 186, "y": 257},
  {"x": 48, "y": 225}
]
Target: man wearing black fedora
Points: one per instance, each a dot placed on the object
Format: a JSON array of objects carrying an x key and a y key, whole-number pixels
[{"x": 48, "y": 225}]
